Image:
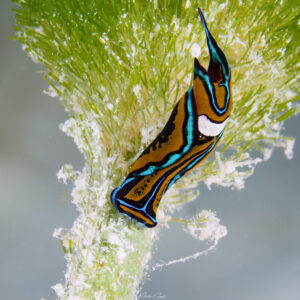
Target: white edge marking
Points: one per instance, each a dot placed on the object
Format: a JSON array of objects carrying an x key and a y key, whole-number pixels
[{"x": 209, "y": 128}]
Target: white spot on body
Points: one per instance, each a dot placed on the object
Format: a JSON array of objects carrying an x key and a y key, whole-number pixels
[{"x": 209, "y": 128}]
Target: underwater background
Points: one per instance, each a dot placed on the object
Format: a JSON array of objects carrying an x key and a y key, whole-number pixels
[{"x": 258, "y": 259}]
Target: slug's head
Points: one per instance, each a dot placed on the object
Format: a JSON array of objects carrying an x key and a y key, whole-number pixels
[{"x": 212, "y": 92}]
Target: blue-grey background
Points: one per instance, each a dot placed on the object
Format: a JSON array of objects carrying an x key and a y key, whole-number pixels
[{"x": 258, "y": 260}]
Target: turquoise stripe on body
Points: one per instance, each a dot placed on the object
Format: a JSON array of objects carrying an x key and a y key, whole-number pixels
[
  {"x": 175, "y": 157},
  {"x": 193, "y": 163}
]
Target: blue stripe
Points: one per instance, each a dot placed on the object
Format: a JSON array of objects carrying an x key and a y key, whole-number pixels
[
  {"x": 143, "y": 209},
  {"x": 175, "y": 157},
  {"x": 113, "y": 195},
  {"x": 210, "y": 88},
  {"x": 178, "y": 176},
  {"x": 215, "y": 57},
  {"x": 137, "y": 209},
  {"x": 191, "y": 165}
]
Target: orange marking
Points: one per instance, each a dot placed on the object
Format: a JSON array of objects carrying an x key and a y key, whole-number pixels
[
  {"x": 202, "y": 101},
  {"x": 137, "y": 214},
  {"x": 194, "y": 150},
  {"x": 175, "y": 140},
  {"x": 220, "y": 95}
]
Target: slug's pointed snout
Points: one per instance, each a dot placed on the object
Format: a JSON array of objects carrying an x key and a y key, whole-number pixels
[{"x": 218, "y": 70}]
